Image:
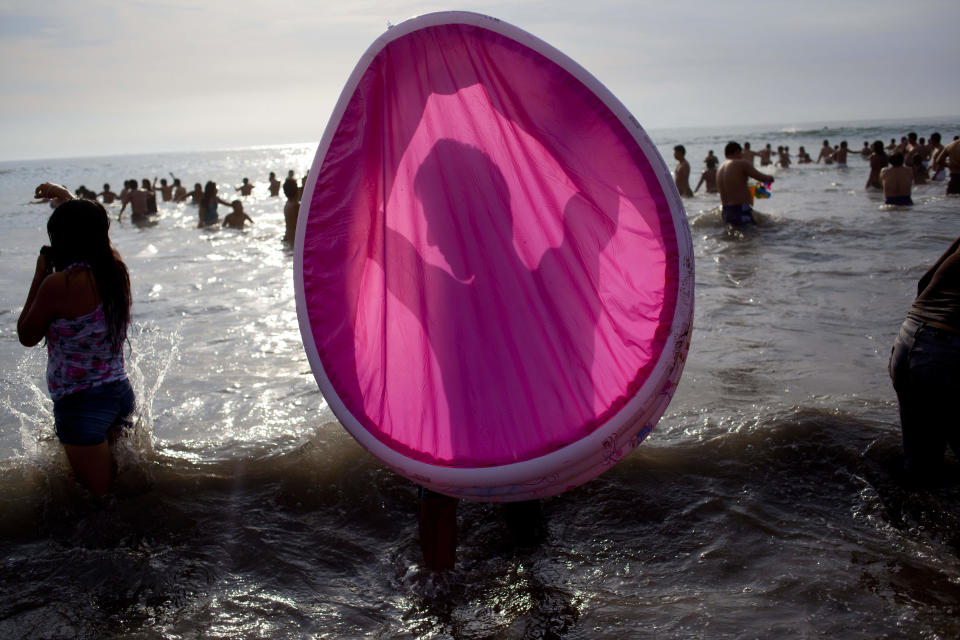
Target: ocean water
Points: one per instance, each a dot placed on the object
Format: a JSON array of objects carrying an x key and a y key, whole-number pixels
[{"x": 768, "y": 501}]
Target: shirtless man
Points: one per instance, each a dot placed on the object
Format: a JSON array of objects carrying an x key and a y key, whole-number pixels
[
  {"x": 166, "y": 190},
  {"x": 866, "y": 151},
  {"x": 732, "y": 184},
  {"x": 765, "y": 154},
  {"x": 747, "y": 154},
  {"x": 783, "y": 157},
  {"x": 274, "y": 184},
  {"x": 245, "y": 188},
  {"x": 840, "y": 155},
  {"x": 897, "y": 181},
  {"x": 137, "y": 199},
  {"x": 179, "y": 191},
  {"x": 826, "y": 153},
  {"x": 912, "y": 149},
  {"x": 949, "y": 157},
  {"x": 878, "y": 161},
  {"x": 935, "y": 148},
  {"x": 236, "y": 218},
  {"x": 681, "y": 175},
  {"x": 197, "y": 194},
  {"x": 108, "y": 196}
]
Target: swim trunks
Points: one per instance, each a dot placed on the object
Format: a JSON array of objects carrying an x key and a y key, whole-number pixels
[
  {"x": 953, "y": 187},
  {"x": 902, "y": 201},
  {"x": 738, "y": 214}
]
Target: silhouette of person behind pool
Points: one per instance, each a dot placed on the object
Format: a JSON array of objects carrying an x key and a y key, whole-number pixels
[{"x": 515, "y": 346}]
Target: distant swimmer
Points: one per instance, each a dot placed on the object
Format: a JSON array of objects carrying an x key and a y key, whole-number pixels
[
  {"x": 765, "y": 154},
  {"x": 949, "y": 157},
  {"x": 139, "y": 206},
  {"x": 166, "y": 190},
  {"x": 291, "y": 209},
  {"x": 732, "y": 184},
  {"x": 803, "y": 157},
  {"x": 866, "y": 150},
  {"x": 897, "y": 181},
  {"x": 936, "y": 147},
  {"x": 892, "y": 145},
  {"x": 151, "y": 195},
  {"x": 107, "y": 195},
  {"x": 274, "y": 185},
  {"x": 208, "y": 205},
  {"x": 840, "y": 155},
  {"x": 783, "y": 158},
  {"x": 919, "y": 167},
  {"x": 246, "y": 188},
  {"x": 747, "y": 154},
  {"x": 826, "y": 153},
  {"x": 878, "y": 161},
  {"x": 197, "y": 194},
  {"x": 236, "y": 218},
  {"x": 179, "y": 191},
  {"x": 709, "y": 175},
  {"x": 681, "y": 175}
]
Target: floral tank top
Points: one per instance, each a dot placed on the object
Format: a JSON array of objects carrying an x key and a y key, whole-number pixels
[{"x": 80, "y": 356}]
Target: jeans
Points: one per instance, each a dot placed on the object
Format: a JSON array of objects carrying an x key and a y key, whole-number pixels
[{"x": 925, "y": 369}]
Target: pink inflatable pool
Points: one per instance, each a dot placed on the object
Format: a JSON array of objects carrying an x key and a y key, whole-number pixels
[{"x": 493, "y": 270}]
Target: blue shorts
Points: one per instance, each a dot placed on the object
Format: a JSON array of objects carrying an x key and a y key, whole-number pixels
[
  {"x": 901, "y": 201},
  {"x": 738, "y": 214},
  {"x": 86, "y": 417}
]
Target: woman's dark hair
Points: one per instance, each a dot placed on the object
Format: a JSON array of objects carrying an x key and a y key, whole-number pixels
[
  {"x": 209, "y": 195},
  {"x": 79, "y": 232},
  {"x": 290, "y": 188},
  {"x": 879, "y": 149}
]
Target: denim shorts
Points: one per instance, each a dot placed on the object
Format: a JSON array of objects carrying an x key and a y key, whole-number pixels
[{"x": 86, "y": 417}]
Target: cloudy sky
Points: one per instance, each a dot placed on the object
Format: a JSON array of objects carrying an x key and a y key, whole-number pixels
[{"x": 98, "y": 77}]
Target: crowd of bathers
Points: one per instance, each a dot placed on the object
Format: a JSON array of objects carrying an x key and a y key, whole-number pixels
[
  {"x": 894, "y": 168},
  {"x": 142, "y": 198}
]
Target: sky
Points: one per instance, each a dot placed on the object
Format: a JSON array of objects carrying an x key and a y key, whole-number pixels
[{"x": 106, "y": 77}]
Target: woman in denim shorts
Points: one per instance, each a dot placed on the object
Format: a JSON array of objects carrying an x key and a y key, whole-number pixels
[{"x": 79, "y": 301}]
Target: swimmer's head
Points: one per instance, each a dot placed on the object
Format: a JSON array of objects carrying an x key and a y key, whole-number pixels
[
  {"x": 732, "y": 150},
  {"x": 896, "y": 160}
]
